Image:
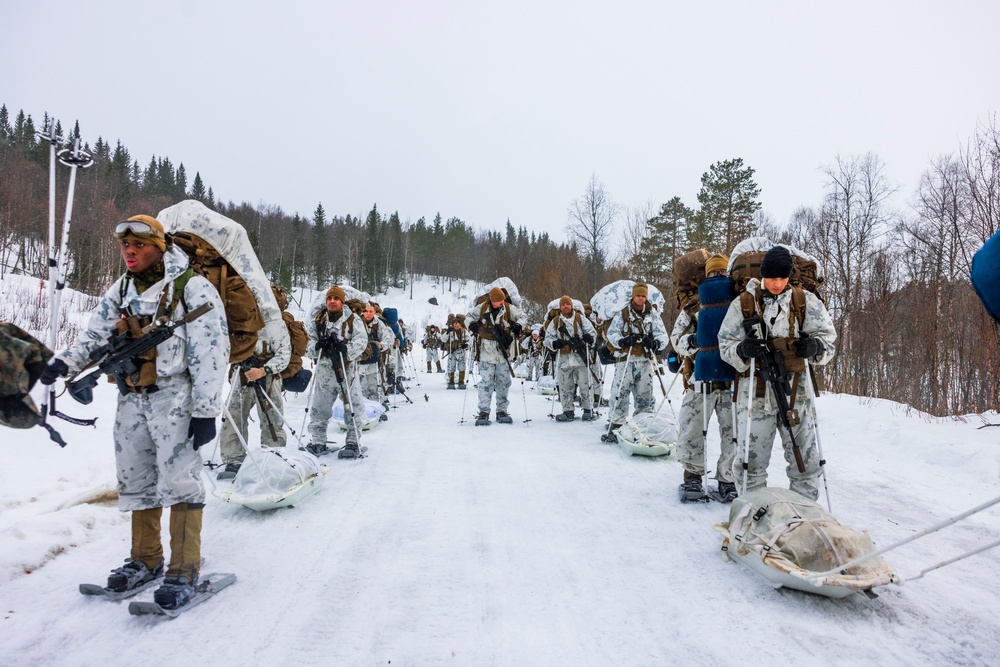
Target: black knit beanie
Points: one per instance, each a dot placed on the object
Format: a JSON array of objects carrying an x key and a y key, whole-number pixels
[{"x": 777, "y": 263}]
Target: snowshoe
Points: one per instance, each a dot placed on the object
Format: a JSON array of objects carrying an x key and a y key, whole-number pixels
[
  {"x": 461, "y": 385},
  {"x": 483, "y": 419},
  {"x": 174, "y": 593},
  {"x": 348, "y": 452},
  {"x": 451, "y": 385},
  {"x": 561, "y": 417},
  {"x": 588, "y": 416},
  {"x": 691, "y": 491},
  {"x": 726, "y": 493},
  {"x": 229, "y": 472},
  {"x": 132, "y": 574},
  {"x": 383, "y": 417},
  {"x": 504, "y": 418},
  {"x": 610, "y": 437}
]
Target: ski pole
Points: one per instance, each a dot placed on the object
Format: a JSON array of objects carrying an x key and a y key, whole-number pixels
[
  {"x": 284, "y": 422},
  {"x": 751, "y": 381},
  {"x": 309, "y": 394},
  {"x": 819, "y": 445},
  {"x": 616, "y": 394},
  {"x": 345, "y": 384},
  {"x": 704, "y": 431}
]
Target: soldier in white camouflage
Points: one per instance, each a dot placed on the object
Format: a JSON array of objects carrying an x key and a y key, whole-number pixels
[
  {"x": 533, "y": 350},
  {"x": 496, "y": 322},
  {"x": 432, "y": 344},
  {"x": 803, "y": 336},
  {"x": 691, "y": 420},
  {"x": 165, "y": 413},
  {"x": 455, "y": 346},
  {"x": 380, "y": 337},
  {"x": 338, "y": 338},
  {"x": 570, "y": 335},
  {"x": 636, "y": 333}
]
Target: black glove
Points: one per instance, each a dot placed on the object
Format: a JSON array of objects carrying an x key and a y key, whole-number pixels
[
  {"x": 807, "y": 347},
  {"x": 202, "y": 430},
  {"x": 516, "y": 328},
  {"x": 506, "y": 340},
  {"x": 751, "y": 348},
  {"x": 629, "y": 340},
  {"x": 560, "y": 343},
  {"x": 588, "y": 339},
  {"x": 56, "y": 369},
  {"x": 464, "y": 346},
  {"x": 692, "y": 340},
  {"x": 651, "y": 343},
  {"x": 474, "y": 327}
]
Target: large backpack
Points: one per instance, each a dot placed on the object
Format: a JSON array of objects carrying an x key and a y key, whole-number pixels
[
  {"x": 689, "y": 273},
  {"x": 22, "y": 360},
  {"x": 218, "y": 249}
]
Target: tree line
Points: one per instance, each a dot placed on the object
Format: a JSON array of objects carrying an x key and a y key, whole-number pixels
[{"x": 910, "y": 327}]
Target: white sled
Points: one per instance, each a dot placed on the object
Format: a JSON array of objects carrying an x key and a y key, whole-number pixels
[
  {"x": 371, "y": 419},
  {"x": 546, "y": 386},
  {"x": 787, "y": 539},
  {"x": 274, "y": 477},
  {"x": 648, "y": 434}
]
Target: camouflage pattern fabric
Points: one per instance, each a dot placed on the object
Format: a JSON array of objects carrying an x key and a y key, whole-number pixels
[
  {"x": 454, "y": 352},
  {"x": 691, "y": 442},
  {"x": 22, "y": 360},
  {"x": 371, "y": 382},
  {"x": 325, "y": 394},
  {"x": 242, "y": 400},
  {"x": 569, "y": 379},
  {"x": 493, "y": 378},
  {"x": 633, "y": 377},
  {"x": 489, "y": 350}
]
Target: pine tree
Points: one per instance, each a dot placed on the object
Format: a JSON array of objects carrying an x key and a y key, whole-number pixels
[
  {"x": 198, "y": 188},
  {"x": 5, "y": 129},
  {"x": 728, "y": 199},
  {"x": 665, "y": 240},
  {"x": 321, "y": 262}
]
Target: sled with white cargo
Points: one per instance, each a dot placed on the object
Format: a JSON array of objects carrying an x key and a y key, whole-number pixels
[
  {"x": 792, "y": 542},
  {"x": 546, "y": 386},
  {"x": 275, "y": 477},
  {"x": 370, "y": 419},
  {"x": 648, "y": 434}
]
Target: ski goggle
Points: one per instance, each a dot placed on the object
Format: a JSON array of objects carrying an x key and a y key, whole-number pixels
[{"x": 136, "y": 228}]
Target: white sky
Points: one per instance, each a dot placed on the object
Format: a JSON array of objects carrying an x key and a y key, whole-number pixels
[{"x": 497, "y": 110}]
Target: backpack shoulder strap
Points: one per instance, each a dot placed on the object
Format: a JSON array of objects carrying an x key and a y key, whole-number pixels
[
  {"x": 799, "y": 306},
  {"x": 180, "y": 283}
]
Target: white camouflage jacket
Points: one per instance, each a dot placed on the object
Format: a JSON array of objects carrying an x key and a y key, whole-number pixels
[
  {"x": 817, "y": 323},
  {"x": 199, "y": 349},
  {"x": 577, "y": 325},
  {"x": 488, "y": 349},
  {"x": 350, "y": 329},
  {"x": 649, "y": 323}
]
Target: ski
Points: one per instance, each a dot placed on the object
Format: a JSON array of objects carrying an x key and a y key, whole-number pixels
[
  {"x": 114, "y": 596},
  {"x": 209, "y": 585}
]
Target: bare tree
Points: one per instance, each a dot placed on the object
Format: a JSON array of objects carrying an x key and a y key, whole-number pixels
[
  {"x": 635, "y": 231},
  {"x": 592, "y": 220}
]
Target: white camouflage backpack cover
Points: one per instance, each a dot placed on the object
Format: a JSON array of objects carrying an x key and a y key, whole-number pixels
[{"x": 273, "y": 477}]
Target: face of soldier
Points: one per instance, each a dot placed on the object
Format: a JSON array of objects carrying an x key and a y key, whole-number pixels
[
  {"x": 713, "y": 274},
  {"x": 496, "y": 304},
  {"x": 334, "y": 304},
  {"x": 369, "y": 313},
  {"x": 139, "y": 255},
  {"x": 566, "y": 309},
  {"x": 775, "y": 285},
  {"x": 639, "y": 301},
  {"x": 456, "y": 325}
]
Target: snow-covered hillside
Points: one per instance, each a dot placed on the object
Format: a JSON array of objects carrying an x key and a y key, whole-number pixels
[{"x": 528, "y": 544}]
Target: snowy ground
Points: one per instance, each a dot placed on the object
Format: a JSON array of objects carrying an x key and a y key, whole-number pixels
[{"x": 528, "y": 544}]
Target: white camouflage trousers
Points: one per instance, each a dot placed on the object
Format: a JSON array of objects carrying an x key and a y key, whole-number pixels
[
  {"x": 241, "y": 402},
  {"x": 534, "y": 363},
  {"x": 325, "y": 395},
  {"x": 432, "y": 354},
  {"x": 763, "y": 424},
  {"x": 493, "y": 378},
  {"x": 371, "y": 382},
  {"x": 456, "y": 361},
  {"x": 691, "y": 443},
  {"x": 569, "y": 378},
  {"x": 633, "y": 376},
  {"x": 155, "y": 460}
]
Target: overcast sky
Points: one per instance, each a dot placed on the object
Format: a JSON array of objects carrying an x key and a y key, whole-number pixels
[{"x": 491, "y": 111}]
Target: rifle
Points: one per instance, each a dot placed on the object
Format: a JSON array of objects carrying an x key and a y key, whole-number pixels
[
  {"x": 650, "y": 354},
  {"x": 498, "y": 339},
  {"x": 576, "y": 342},
  {"x": 772, "y": 371},
  {"x": 117, "y": 355}
]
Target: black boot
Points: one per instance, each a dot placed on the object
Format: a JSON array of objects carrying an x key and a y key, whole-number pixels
[
  {"x": 483, "y": 419},
  {"x": 691, "y": 490},
  {"x": 565, "y": 416}
]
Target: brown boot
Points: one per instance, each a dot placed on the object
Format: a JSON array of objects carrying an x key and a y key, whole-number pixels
[
  {"x": 185, "y": 541},
  {"x": 461, "y": 379},
  {"x": 439, "y": 369},
  {"x": 428, "y": 367},
  {"x": 451, "y": 380},
  {"x": 146, "y": 544}
]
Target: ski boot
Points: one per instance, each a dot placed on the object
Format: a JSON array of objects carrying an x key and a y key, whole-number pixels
[
  {"x": 174, "y": 593},
  {"x": 588, "y": 416},
  {"x": 230, "y": 471},
  {"x": 691, "y": 490},
  {"x": 132, "y": 574},
  {"x": 318, "y": 449},
  {"x": 726, "y": 492},
  {"x": 610, "y": 436},
  {"x": 483, "y": 419},
  {"x": 349, "y": 451},
  {"x": 504, "y": 418},
  {"x": 562, "y": 417}
]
